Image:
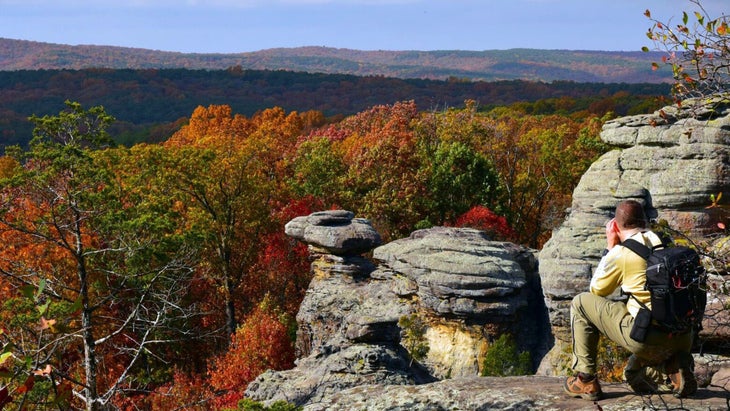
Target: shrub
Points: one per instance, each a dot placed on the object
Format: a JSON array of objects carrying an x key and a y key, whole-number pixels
[
  {"x": 503, "y": 359},
  {"x": 413, "y": 332}
]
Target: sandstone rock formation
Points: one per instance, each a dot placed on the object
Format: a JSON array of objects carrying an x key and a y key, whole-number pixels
[
  {"x": 669, "y": 161},
  {"x": 465, "y": 288},
  {"x": 468, "y": 289}
]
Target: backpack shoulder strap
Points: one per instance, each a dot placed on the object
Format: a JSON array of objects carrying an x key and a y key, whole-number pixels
[{"x": 635, "y": 246}]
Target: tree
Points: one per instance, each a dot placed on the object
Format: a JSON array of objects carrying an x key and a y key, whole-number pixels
[
  {"x": 413, "y": 337},
  {"x": 459, "y": 178},
  {"x": 262, "y": 342},
  {"x": 383, "y": 179},
  {"x": 503, "y": 359},
  {"x": 227, "y": 168},
  {"x": 697, "y": 50},
  {"x": 459, "y": 173},
  {"x": 8, "y": 166},
  {"x": 282, "y": 271},
  {"x": 228, "y": 194},
  {"x": 484, "y": 219},
  {"x": 317, "y": 169},
  {"x": 102, "y": 249},
  {"x": 539, "y": 160}
]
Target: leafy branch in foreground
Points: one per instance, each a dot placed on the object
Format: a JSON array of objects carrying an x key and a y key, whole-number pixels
[{"x": 698, "y": 51}]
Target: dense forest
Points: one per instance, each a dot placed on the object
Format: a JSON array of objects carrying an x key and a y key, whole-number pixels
[
  {"x": 150, "y": 104},
  {"x": 157, "y": 275}
]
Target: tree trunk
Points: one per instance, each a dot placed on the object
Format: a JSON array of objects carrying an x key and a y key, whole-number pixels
[
  {"x": 90, "y": 391},
  {"x": 230, "y": 307},
  {"x": 89, "y": 360}
]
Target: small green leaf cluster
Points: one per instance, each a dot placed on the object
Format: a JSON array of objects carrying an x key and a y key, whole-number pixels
[
  {"x": 413, "y": 337},
  {"x": 503, "y": 359},
  {"x": 247, "y": 404}
]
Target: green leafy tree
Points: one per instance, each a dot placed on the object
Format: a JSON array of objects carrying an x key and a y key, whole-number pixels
[
  {"x": 697, "y": 49},
  {"x": 413, "y": 337},
  {"x": 503, "y": 359},
  {"x": 317, "y": 169},
  {"x": 229, "y": 195},
  {"x": 227, "y": 169},
  {"x": 106, "y": 244},
  {"x": 459, "y": 179}
]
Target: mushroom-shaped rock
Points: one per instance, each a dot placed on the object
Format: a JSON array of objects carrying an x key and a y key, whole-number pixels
[{"x": 335, "y": 232}]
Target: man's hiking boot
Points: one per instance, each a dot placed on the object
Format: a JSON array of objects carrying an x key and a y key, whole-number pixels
[
  {"x": 635, "y": 375},
  {"x": 645, "y": 379},
  {"x": 680, "y": 370},
  {"x": 588, "y": 390}
]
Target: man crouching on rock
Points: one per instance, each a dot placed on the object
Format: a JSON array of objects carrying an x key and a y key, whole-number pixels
[{"x": 591, "y": 314}]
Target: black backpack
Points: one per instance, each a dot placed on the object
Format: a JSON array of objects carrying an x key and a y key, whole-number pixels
[{"x": 676, "y": 281}]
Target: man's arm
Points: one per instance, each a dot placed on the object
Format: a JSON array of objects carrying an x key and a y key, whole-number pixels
[{"x": 607, "y": 276}]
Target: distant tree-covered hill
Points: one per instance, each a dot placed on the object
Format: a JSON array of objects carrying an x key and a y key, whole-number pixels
[{"x": 489, "y": 65}]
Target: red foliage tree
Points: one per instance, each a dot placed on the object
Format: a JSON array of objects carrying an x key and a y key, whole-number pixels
[
  {"x": 282, "y": 270},
  {"x": 261, "y": 343},
  {"x": 482, "y": 218},
  {"x": 185, "y": 392}
]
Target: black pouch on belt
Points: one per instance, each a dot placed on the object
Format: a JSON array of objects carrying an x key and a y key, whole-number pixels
[{"x": 642, "y": 322}]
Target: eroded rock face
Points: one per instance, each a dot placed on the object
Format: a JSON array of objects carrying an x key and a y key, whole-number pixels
[
  {"x": 669, "y": 162},
  {"x": 462, "y": 286},
  {"x": 468, "y": 289},
  {"x": 460, "y": 273}
]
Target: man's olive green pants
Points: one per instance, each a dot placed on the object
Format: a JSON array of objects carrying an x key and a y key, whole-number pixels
[{"x": 591, "y": 315}]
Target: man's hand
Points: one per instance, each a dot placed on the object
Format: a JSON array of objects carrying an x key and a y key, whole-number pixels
[{"x": 612, "y": 237}]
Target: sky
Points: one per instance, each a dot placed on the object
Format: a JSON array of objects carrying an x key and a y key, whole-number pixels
[{"x": 233, "y": 26}]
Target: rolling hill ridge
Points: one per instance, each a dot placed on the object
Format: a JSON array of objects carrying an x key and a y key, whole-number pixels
[{"x": 455, "y": 65}]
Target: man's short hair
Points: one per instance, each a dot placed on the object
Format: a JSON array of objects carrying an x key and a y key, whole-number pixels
[{"x": 630, "y": 214}]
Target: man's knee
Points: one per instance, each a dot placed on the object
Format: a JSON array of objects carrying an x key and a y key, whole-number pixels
[{"x": 578, "y": 302}]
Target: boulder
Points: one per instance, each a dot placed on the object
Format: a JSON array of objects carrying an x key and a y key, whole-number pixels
[{"x": 460, "y": 273}]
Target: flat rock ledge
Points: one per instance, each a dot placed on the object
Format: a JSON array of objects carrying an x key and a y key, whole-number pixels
[{"x": 510, "y": 393}]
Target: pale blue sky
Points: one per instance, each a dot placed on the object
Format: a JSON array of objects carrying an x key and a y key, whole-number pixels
[{"x": 228, "y": 26}]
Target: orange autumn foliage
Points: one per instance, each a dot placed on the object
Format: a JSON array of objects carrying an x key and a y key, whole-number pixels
[
  {"x": 8, "y": 166},
  {"x": 211, "y": 126},
  {"x": 28, "y": 254}
]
